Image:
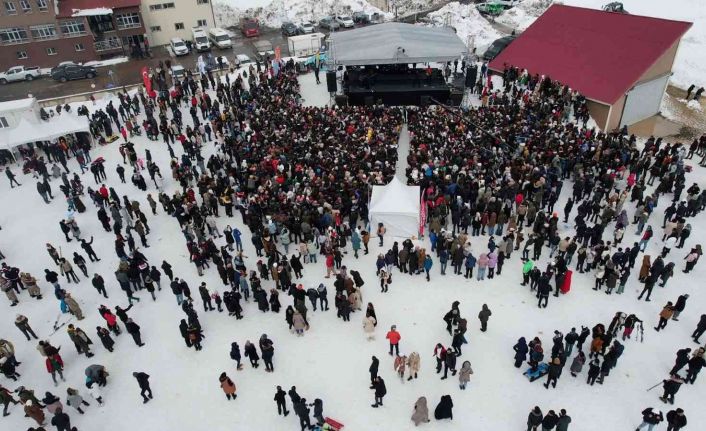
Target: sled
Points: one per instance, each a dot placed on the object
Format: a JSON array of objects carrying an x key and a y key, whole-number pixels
[
  {"x": 112, "y": 138},
  {"x": 541, "y": 371},
  {"x": 332, "y": 425}
]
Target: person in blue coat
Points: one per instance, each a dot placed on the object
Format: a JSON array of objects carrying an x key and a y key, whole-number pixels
[
  {"x": 238, "y": 240},
  {"x": 427, "y": 265},
  {"x": 470, "y": 264},
  {"x": 443, "y": 259}
]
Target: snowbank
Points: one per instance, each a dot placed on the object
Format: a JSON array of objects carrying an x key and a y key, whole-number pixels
[
  {"x": 468, "y": 22},
  {"x": 521, "y": 16},
  {"x": 279, "y": 11},
  {"x": 92, "y": 12}
]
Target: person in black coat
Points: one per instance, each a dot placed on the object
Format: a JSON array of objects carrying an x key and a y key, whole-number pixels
[
  {"x": 553, "y": 373},
  {"x": 301, "y": 410},
  {"x": 183, "y": 329},
  {"x": 444, "y": 410},
  {"x": 676, "y": 420},
  {"x": 681, "y": 361},
  {"x": 543, "y": 291},
  {"x": 679, "y": 306},
  {"x": 550, "y": 420},
  {"x": 86, "y": 246},
  {"x": 167, "y": 268},
  {"x": 521, "y": 350},
  {"x": 144, "y": 383},
  {"x": 671, "y": 387},
  {"x": 696, "y": 363},
  {"x": 98, "y": 282},
  {"x": 251, "y": 352},
  {"x": 134, "y": 330},
  {"x": 700, "y": 329},
  {"x": 235, "y": 354},
  {"x": 373, "y": 371},
  {"x": 105, "y": 338},
  {"x": 449, "y": 363},
  {"x": 534, "y": 419},
  {"x": 61, "y": 420},
  {"x": 380, "y": 391},
  {"x": 281, "y": 400}
]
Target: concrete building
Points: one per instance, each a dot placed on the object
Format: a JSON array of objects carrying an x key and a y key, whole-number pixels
[
  {"x": 166, "y": 19},
  {"x": 621, "y": 63},
  {"x": 46, "y": 32}
]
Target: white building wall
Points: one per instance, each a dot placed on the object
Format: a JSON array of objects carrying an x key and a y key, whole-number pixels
[{"x": 188, "y": 12}]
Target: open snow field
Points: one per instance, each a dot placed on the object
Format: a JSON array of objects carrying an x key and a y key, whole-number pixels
[{"x": 331, "y": 361}]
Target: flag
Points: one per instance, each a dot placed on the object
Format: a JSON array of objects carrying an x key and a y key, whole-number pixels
[
  {"x": 422, "y": 217},
  {"x": 146, "y": 79}
]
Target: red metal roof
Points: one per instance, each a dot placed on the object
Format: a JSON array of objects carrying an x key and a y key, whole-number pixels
[
  {"x": 600, "y": 54},
  {"x": 67, "y": 7}
]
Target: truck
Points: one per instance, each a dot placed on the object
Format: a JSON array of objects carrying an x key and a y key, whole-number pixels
[
  {"x": 250, "y": 27},
  {"x": 19, "y": 73},
  {"x": 306, "y": 44},
  {"x": 263, "y": 49}
]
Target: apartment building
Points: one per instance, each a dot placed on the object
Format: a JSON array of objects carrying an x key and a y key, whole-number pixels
[
  {"x": 46, "y": 32},
  {"x": 165, "y": 20}
]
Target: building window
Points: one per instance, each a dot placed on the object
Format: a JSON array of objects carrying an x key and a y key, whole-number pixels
[
  {"x": 13, "y": 35},
  {"x": 73, "y": 28},
  {"x": 42, "y": 5},
  {"x": 3, "y": 123},
  {"x": 169, "y": 5},
  {"x": 128, "y": 20},
  {"x": 22, "y": 55},
  {"x": 26, "y": 8},
  {"x": 201, "y": 23},
  {"x": 10, "y": 8},
  {"x": 201, "y": 1},
  {"x": 179, "y": 26},
  {"x": 51, "y": 51},
  {"x": 43, "y": 32},
  {"x": 79, "y": 47},
  {"x": 154, "y": 7},
  {"x": 155, "y": 28}
]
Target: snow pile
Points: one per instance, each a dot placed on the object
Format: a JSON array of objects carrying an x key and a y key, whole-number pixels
[
  {"x": 695, "y": 105},
  {"x": 108, "y": 62},
  {"x": 468, "y": 22},
  {"x": 279, "y": 11},
  {"x": 92, "y": 12},
  {"x": 521, "y": 16},
  {"x": 409, "y": 7}
]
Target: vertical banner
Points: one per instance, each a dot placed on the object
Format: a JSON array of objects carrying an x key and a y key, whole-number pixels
[
  {"x": 278, "y": 53},
  {"x": 422, "y": 216},
  {"x": 146, "y": 79}
]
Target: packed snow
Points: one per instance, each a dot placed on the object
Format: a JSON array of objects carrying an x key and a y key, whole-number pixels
[
  {"x": 331, "y": 360},
  {"x": 92, "y": 12},
  {"x": 470, "y": 25}
]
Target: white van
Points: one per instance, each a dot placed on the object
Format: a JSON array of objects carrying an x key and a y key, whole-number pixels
[
  {"x": 220, "y": 38},
  {"x": 178, "y": 46},
  {"x": 200, "y": 39}
]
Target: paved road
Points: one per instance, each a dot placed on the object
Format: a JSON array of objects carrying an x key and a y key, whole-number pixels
[{"x": 402, "y": 153}]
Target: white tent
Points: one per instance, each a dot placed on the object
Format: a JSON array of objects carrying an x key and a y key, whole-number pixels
[
  {"x": 397, "y": 207},
  {"x": 26, "y": 131}
]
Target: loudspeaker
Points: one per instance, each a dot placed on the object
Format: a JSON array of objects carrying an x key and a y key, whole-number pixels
[
  {"x": 341, "y": 100},
  {"x": 368, "y": 101},
  {"x": 425, "y": 101},
  {"x": 331, "y": 82}
]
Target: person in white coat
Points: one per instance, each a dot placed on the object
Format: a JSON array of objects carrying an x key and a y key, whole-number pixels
[{"x": 369, "y": 327}]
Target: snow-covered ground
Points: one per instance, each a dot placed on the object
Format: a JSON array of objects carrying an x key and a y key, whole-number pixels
[
  {"x": 470, "y": 25},
  {"x": 331, "y": 361},
  {"x": 690, "y": 64},
  {"x": 275, "y": 12}
]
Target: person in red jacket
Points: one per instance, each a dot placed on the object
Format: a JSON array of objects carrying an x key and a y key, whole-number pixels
[
  {"x": 55, "y": 365},
  {"x": 329, "y": 265},
  {"x": 394, "y": 338}
]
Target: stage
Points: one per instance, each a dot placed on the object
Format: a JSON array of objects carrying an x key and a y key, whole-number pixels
[{"x": 413, "y": 87}]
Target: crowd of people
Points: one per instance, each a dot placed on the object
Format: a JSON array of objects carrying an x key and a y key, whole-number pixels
[{"x": 300, "y": 177}]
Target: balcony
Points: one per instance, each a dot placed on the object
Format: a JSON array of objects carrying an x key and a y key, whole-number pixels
[{"x": 108, "y": 45}]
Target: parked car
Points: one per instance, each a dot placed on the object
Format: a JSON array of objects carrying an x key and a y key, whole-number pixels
[
  {"x": 263, "y": 49},
  {"x": 70, "y": 72},
  {"x": 329, "y": 23},
  {"x": 506, "y": 4},
  {"x": 345, "y": 21},
  {"x": 361, "y": 18},
  {"x": 289, "y": 29},
  {"x": 199, "y": 39},
  {"x": 306, "y": 27},
  {"x": 250, "y": 27},
  {"x": 19, "y": 73},
  {"x": 490, "y": 8},
  {"x": 616, "y": 7},
  {"x": 178, "y": 72},
  {"x": 497, "y": 47},
  {"x": 178, "y": 46},
  {"x": 242, "y": 60}
]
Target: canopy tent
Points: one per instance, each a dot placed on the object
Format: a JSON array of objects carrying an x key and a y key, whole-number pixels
[
  {"x": 27, "y": 131},
  {"x": 396, "y": 43},
  {"x": 397, "y": 207}
]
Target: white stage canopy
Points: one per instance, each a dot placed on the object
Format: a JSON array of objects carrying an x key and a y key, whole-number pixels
[{"x": 397, "y": 207}]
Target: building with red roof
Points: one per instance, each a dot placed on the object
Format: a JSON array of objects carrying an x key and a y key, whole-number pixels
[{"x": 621, "y": 63}]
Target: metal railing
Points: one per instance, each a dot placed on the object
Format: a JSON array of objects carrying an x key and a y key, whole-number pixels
[{"x": 107, "y": 45}]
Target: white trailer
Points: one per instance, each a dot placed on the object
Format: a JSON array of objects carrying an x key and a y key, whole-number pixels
[{"x": 306, "y": 44}]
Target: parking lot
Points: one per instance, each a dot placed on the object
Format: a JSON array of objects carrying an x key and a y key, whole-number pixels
[{"x": 130, "y": 72}]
